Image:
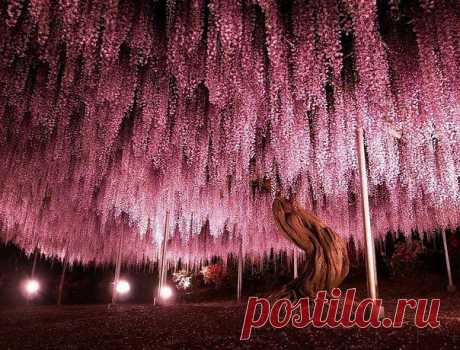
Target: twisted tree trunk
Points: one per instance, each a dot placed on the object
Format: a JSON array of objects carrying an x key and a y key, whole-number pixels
[{"x": 327, "y": 258}]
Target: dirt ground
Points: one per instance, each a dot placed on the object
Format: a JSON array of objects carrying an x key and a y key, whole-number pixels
[
  {"x": 207, "y": 326},
  {"x": 217, "y": 325}
]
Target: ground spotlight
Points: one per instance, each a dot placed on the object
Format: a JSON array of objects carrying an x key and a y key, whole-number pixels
[
  {"x": 122, "y": 287},
  {"x": 32, "y": 287},
  {"x": 166, "y": 292}
]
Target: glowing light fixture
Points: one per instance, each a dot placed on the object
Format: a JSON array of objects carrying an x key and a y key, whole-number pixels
[
  {"x": 166, "y": 292},
  {"x": 122, "y": 287},
  {"x": 32, "y": 287}
]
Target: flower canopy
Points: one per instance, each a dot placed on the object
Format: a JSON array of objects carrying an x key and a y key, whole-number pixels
[{"x": 114, "y": 113}]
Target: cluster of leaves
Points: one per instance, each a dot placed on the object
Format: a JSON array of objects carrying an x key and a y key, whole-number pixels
[
  {"x": 213, "y": 274},
  {"x": 406, "y": 257},
  {"x": 182, "y": 279}
]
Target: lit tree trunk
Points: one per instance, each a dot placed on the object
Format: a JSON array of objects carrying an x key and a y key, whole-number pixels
[{"x": 326, "y": 252}]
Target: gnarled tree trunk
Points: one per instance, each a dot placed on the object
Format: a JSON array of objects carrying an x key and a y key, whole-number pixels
[{"x": 327, "y": 258}]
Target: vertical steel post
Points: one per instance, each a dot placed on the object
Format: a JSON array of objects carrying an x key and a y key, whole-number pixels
[
  {"x": 61, "y": 282},
  {"x": 239, "y": 286},
  {"x": 34, "y": 264},
  {"x": 296, "y": 263},
  {"x": 369, "y": 241},
  {"x": 117, "y": 269},
  {"x": 162, "y": 272},
  {"x": 451, "y": 286}
]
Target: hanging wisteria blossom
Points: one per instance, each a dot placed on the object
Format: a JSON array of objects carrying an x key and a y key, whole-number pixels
[{"x": 114, "y": 112}]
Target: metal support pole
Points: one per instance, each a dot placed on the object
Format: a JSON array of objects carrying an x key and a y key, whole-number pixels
[
  {"x": 190, "y": 245},
  {"x": 239, "y": 286},
  {"x": 451, "y": 286},
  {"x": 162, "y": 265},
  {"x": 296, "y": 263},
  {"x": 34, "y": 264},
  {"x": 369, "y": 241},
  {"x": 156, "y": 294},
  {"x": 117, "y": 270},
  {"x": 61, "y": 282}
]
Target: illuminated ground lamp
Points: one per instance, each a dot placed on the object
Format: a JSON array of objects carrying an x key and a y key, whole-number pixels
[
  {"x": 122, "y": 287},
  {"x": 166, "y": 293},
  {"x": 31, "y": 287}
]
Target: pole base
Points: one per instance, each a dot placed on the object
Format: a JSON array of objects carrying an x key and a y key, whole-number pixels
[
  {"x": 451, "y": 288},
  {"x": 381, "y": 313},
  {"x": 113, "y": 306}
]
